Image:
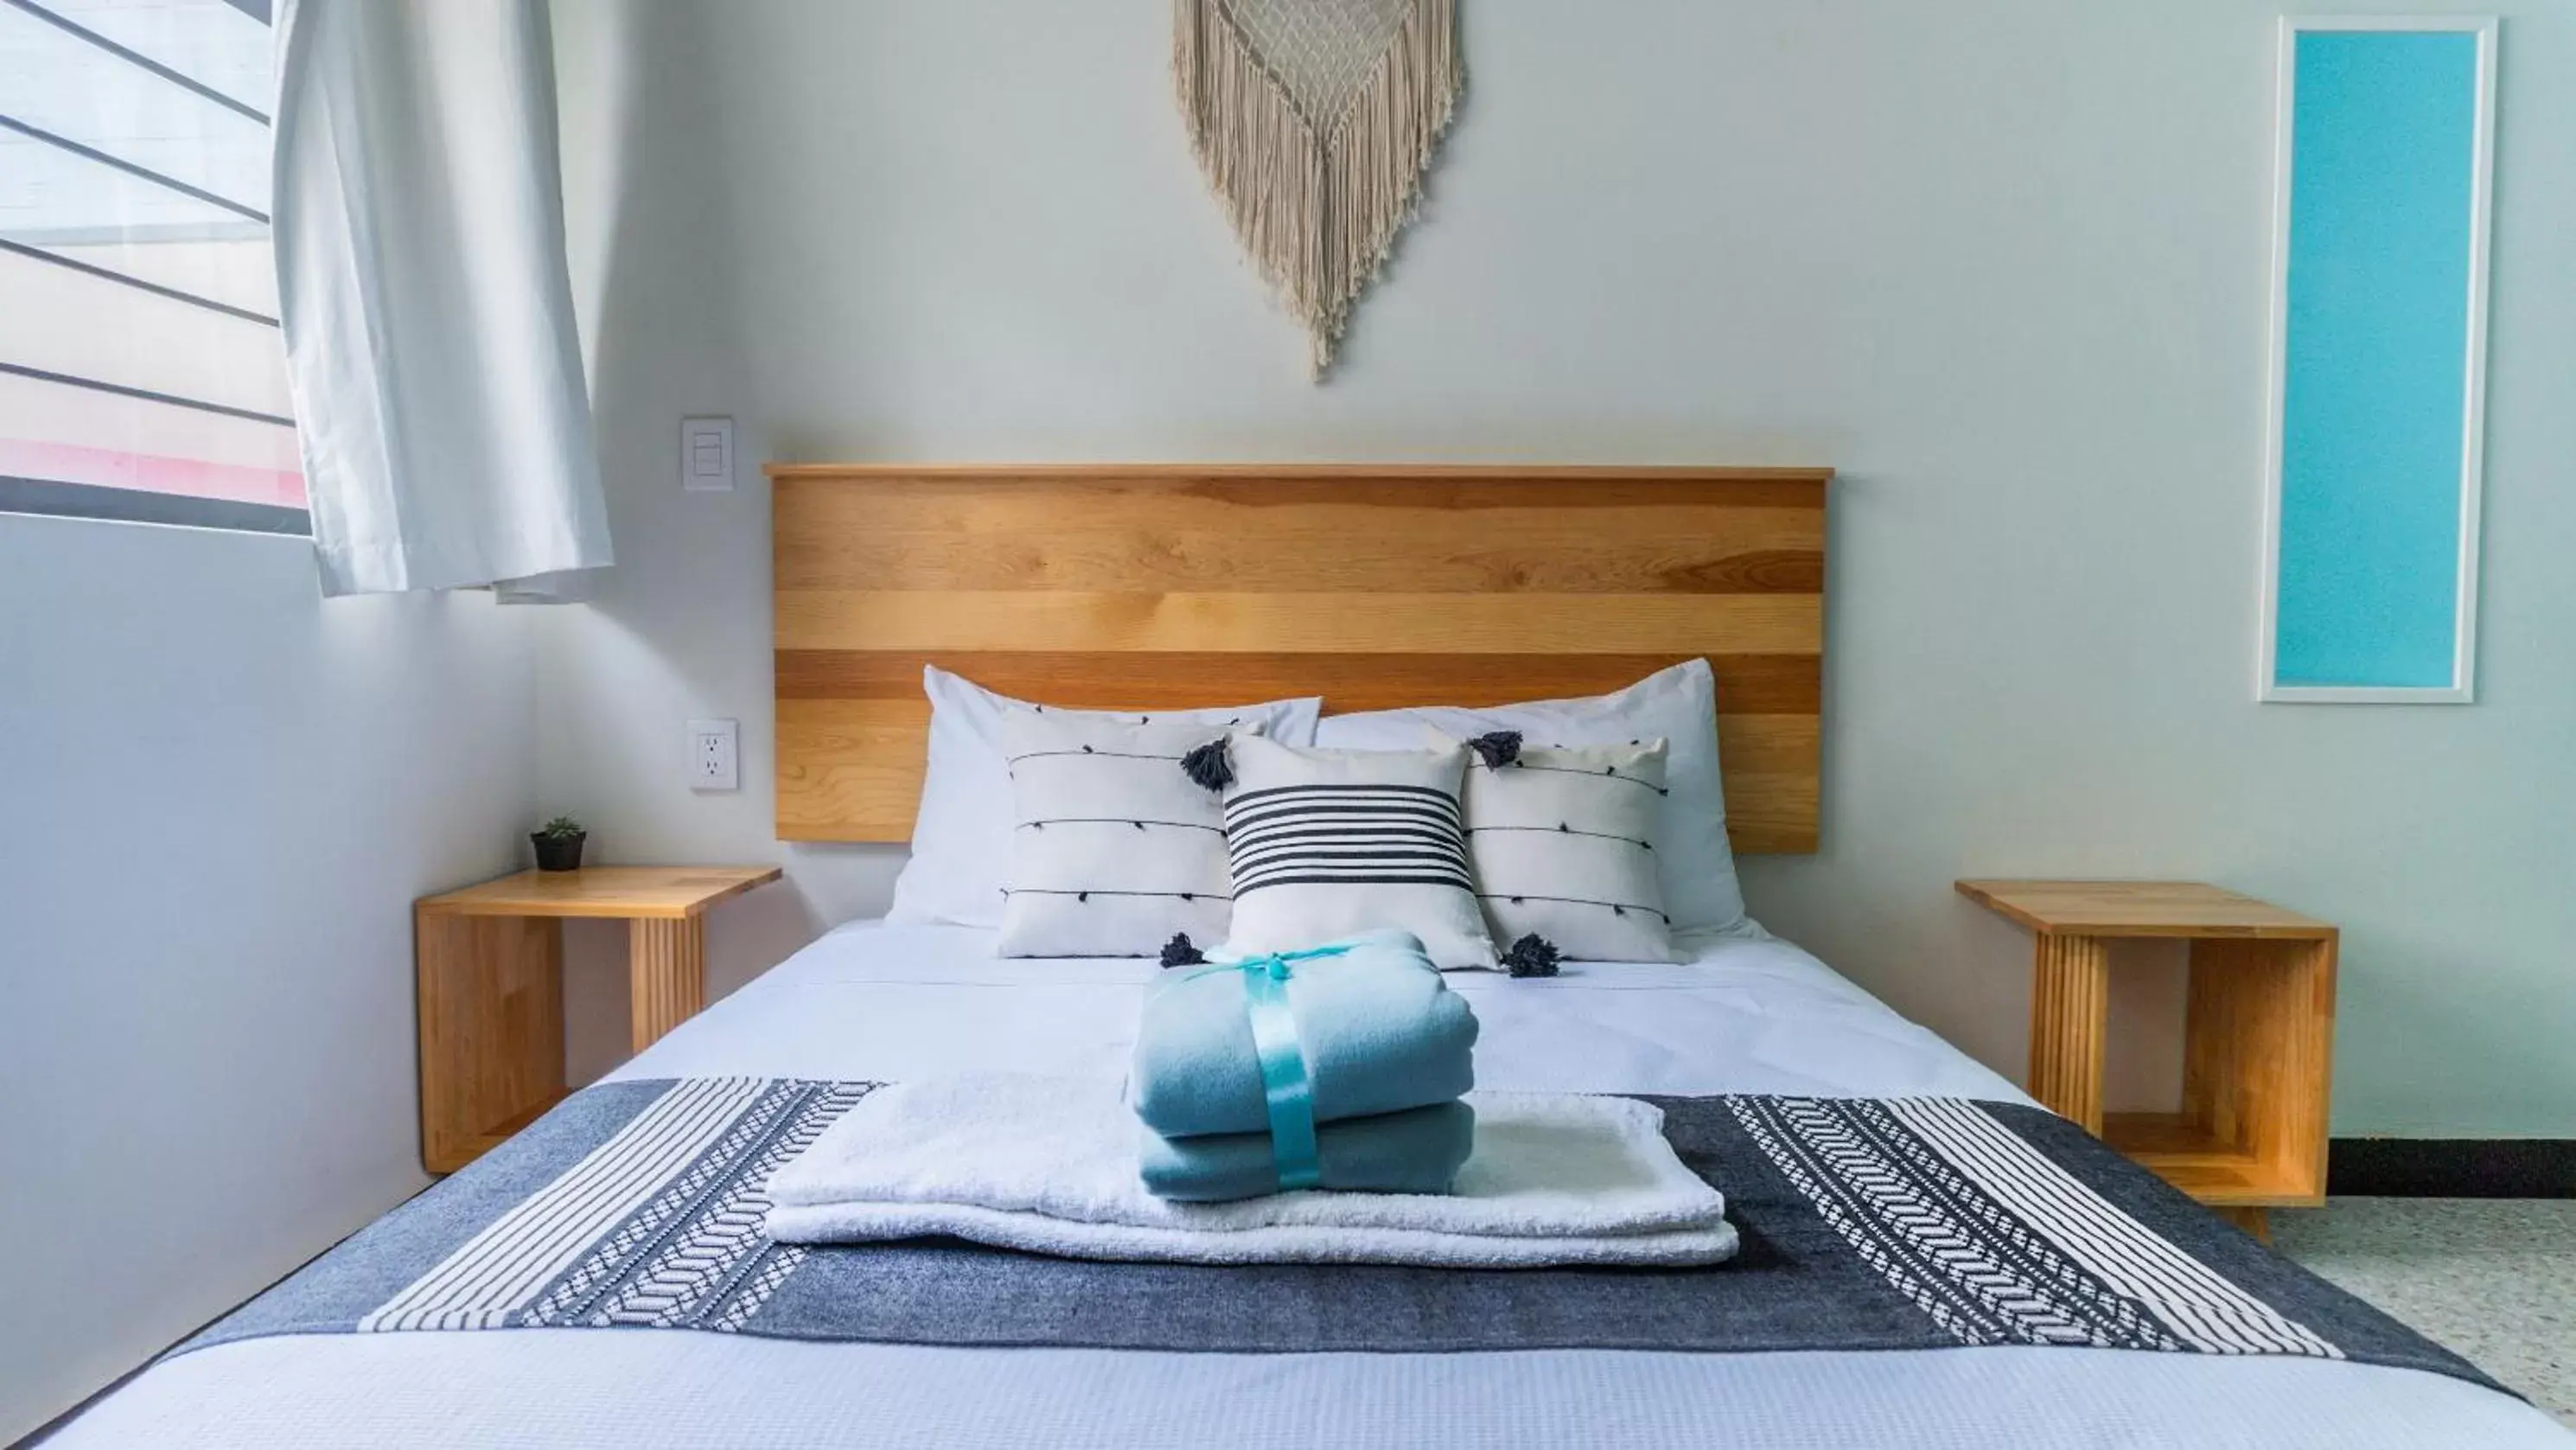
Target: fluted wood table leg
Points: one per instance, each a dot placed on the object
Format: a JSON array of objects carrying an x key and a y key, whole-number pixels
[
  {"x": 667, "y": 970},
  {"x": 2070, "y": 1011}
]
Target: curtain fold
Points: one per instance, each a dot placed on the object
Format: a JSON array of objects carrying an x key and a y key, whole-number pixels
[{"x": 430, "y": 339}]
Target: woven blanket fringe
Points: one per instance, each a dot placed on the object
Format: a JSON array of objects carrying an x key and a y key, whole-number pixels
[{"x": 1316, "y": 202}]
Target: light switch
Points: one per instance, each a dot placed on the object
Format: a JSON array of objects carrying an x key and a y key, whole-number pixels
[{"x": 706, "y": 455}]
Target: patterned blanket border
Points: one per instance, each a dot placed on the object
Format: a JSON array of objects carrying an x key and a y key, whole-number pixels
[{"x": 1867, "y": 1224}]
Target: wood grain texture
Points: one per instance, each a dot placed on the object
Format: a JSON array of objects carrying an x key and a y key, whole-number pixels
[
  {"x": 2258, "y": 1033},
  {"x": 489, "y": 960},
  {"x": 491, "y": 1030},
  {"x": 1454, "y": 485},
  {"x": 1117, "y": 586},
  {"x": 1319, "y": 623},
  {"x": 975, "y": 535},
  {"x": 2070, "y": 1011},
  {"x": 1749, "y": 684},
  {"x": 667, "y": 974},
  {"x": 631, "y": 892},
  {"x": 2141, "y": 909},
  {"x": 2253, "y": 1220},
  {"x": 2258, "y": 1045},
  {"x": 2185, "y": 1153}
]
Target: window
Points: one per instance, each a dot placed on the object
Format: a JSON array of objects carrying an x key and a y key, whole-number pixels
[{"x": 142, "y": 374}]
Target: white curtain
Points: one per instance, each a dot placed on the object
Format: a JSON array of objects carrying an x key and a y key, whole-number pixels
[{"x": 430, "y": 339}]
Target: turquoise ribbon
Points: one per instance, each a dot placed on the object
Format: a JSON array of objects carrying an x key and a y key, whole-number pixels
[{"x": 1287, "y": 1088}]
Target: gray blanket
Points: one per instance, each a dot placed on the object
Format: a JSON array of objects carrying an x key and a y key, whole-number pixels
[{"x": 1867, "y": 1224}]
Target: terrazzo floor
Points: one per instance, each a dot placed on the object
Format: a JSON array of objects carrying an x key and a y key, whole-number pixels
[{"x": 2492, "y": 1278}]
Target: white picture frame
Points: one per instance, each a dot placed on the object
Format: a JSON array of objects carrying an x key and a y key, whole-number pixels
[{"x": 2461, "y": 687}]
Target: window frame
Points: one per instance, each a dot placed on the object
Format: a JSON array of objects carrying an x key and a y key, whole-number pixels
[
  {"x": 62, "y": 498},
  {"x": 54, "y": 498}
]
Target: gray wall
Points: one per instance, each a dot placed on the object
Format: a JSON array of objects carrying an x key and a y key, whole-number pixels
[
  {"x": 218, "y": 797},
  {"x": 2003, "y": 262}
]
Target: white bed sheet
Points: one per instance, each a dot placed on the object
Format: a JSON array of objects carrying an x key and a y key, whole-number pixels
[
  {"x": 876, "y": 1001},
  {"x": 891, "y": 1002}
]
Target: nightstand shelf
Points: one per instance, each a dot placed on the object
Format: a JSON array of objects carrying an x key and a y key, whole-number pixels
[
  {"x": 2189, "y": 1156},
  {"x": 490, "y": 969},
  {"x": 2258, "y": 1033}
]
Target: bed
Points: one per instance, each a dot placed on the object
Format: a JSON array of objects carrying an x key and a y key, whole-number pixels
[
  {"x": 869, "y": 1001},
  {"x": 1161, "y": 587}
]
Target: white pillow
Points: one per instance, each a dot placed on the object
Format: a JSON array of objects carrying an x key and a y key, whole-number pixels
[
  {"x": 961, "y": 838},
  {"x": 1331, "y": 843},
  {"x": 1562, "y": 842},
  {"x": 1113, "y": 848},
  {"x": 1679, "y": 704}
]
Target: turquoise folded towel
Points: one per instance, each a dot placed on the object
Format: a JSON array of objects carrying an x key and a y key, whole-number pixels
[
  {"x": 1381, "y": 1032},
  {"x": 1419, "y": 1151}
]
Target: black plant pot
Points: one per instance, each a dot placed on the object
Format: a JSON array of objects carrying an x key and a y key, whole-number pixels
[{"x": 559, "y": 853}]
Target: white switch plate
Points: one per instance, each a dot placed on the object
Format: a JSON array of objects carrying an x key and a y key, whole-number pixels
[
  {"x": 706, "y": 455},
  {"x": 714, "y": 757}
]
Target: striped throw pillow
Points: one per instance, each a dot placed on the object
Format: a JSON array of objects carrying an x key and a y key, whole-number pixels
[{"x": 1323, "y": 844}]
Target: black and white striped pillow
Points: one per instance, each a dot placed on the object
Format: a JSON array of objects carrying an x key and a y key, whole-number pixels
[
  {"x": 1113, "y": 849},
  {"x": 1329, "y": 843},
  {"x": 1562, "y": 840}
]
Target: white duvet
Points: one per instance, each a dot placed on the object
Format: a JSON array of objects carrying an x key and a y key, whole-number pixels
[{"x": 887, "y": 1003}]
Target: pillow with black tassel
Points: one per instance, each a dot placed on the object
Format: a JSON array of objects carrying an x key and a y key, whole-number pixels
[{"x": 1562, "y": 843}]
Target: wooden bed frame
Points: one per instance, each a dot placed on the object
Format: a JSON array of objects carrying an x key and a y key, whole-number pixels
[{"x": 1373, "y": 586}]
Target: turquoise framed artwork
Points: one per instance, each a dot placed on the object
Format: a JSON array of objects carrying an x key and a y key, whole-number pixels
[{"x": 2378, "y": 367}]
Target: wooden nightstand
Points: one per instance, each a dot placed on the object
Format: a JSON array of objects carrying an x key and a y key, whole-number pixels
[
  {"x": 2258, "y": 1033},
  {"x": 490, "y": 965}
]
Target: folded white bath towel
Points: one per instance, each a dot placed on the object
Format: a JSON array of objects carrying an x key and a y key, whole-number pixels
[{"x": 1049, "y": 1165}]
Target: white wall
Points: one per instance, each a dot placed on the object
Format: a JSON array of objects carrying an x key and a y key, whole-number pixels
[
  {"x": 2003, "y": 262},
  {"x": 218, "y": 796}
]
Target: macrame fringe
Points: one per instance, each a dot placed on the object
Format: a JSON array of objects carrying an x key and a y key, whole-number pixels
[{"x": 1317, "y": 206}]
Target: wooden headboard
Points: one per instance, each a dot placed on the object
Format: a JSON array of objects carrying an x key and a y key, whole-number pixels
[{"x": 1374, "y": 586}]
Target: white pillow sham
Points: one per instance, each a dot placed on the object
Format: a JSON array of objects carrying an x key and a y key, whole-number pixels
[
  {"x": 1562, "y": 844},
  {"x": 1679, "y": 704},
  {"x": 961, "y": 837},
  {"x": 1113, "y": 848},
  {"x": 1325, "y": 844}
]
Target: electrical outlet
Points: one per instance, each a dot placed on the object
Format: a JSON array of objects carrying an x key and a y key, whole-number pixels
[{"x": 714, "y": 759}]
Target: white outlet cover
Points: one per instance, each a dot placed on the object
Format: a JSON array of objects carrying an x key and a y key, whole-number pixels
[
  {"x": 706, "y": 455},
  {"x": 715, "y": 760}
]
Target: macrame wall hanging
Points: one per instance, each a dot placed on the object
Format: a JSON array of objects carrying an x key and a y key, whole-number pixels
[{"x": 1314, "y": 121}]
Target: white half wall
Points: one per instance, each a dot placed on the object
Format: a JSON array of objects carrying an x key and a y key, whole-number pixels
[
  {"x": 219, "y": 794},
  {"x": 2003, "y": 262}
]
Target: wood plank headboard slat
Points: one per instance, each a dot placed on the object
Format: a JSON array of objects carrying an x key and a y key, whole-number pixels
[{"x": 1375, "y": 586}]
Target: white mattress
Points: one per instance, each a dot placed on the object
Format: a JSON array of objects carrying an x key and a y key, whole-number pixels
[{"x": 872, "y": 1001}]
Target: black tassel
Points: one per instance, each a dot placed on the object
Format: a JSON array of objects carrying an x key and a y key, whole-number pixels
[
  {"x": 1209, "y": 765},
  {"x": 1531, "y": 956},
  {"x": 1501, "y": 748},
  {"x": 1179, "y": 953}
]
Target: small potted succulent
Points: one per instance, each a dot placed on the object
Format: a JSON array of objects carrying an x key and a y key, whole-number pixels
[{"x": 559, "y": 844}]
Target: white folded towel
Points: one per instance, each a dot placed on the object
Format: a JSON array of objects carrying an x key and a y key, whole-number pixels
[{"x": 1049, "y": 1165}]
